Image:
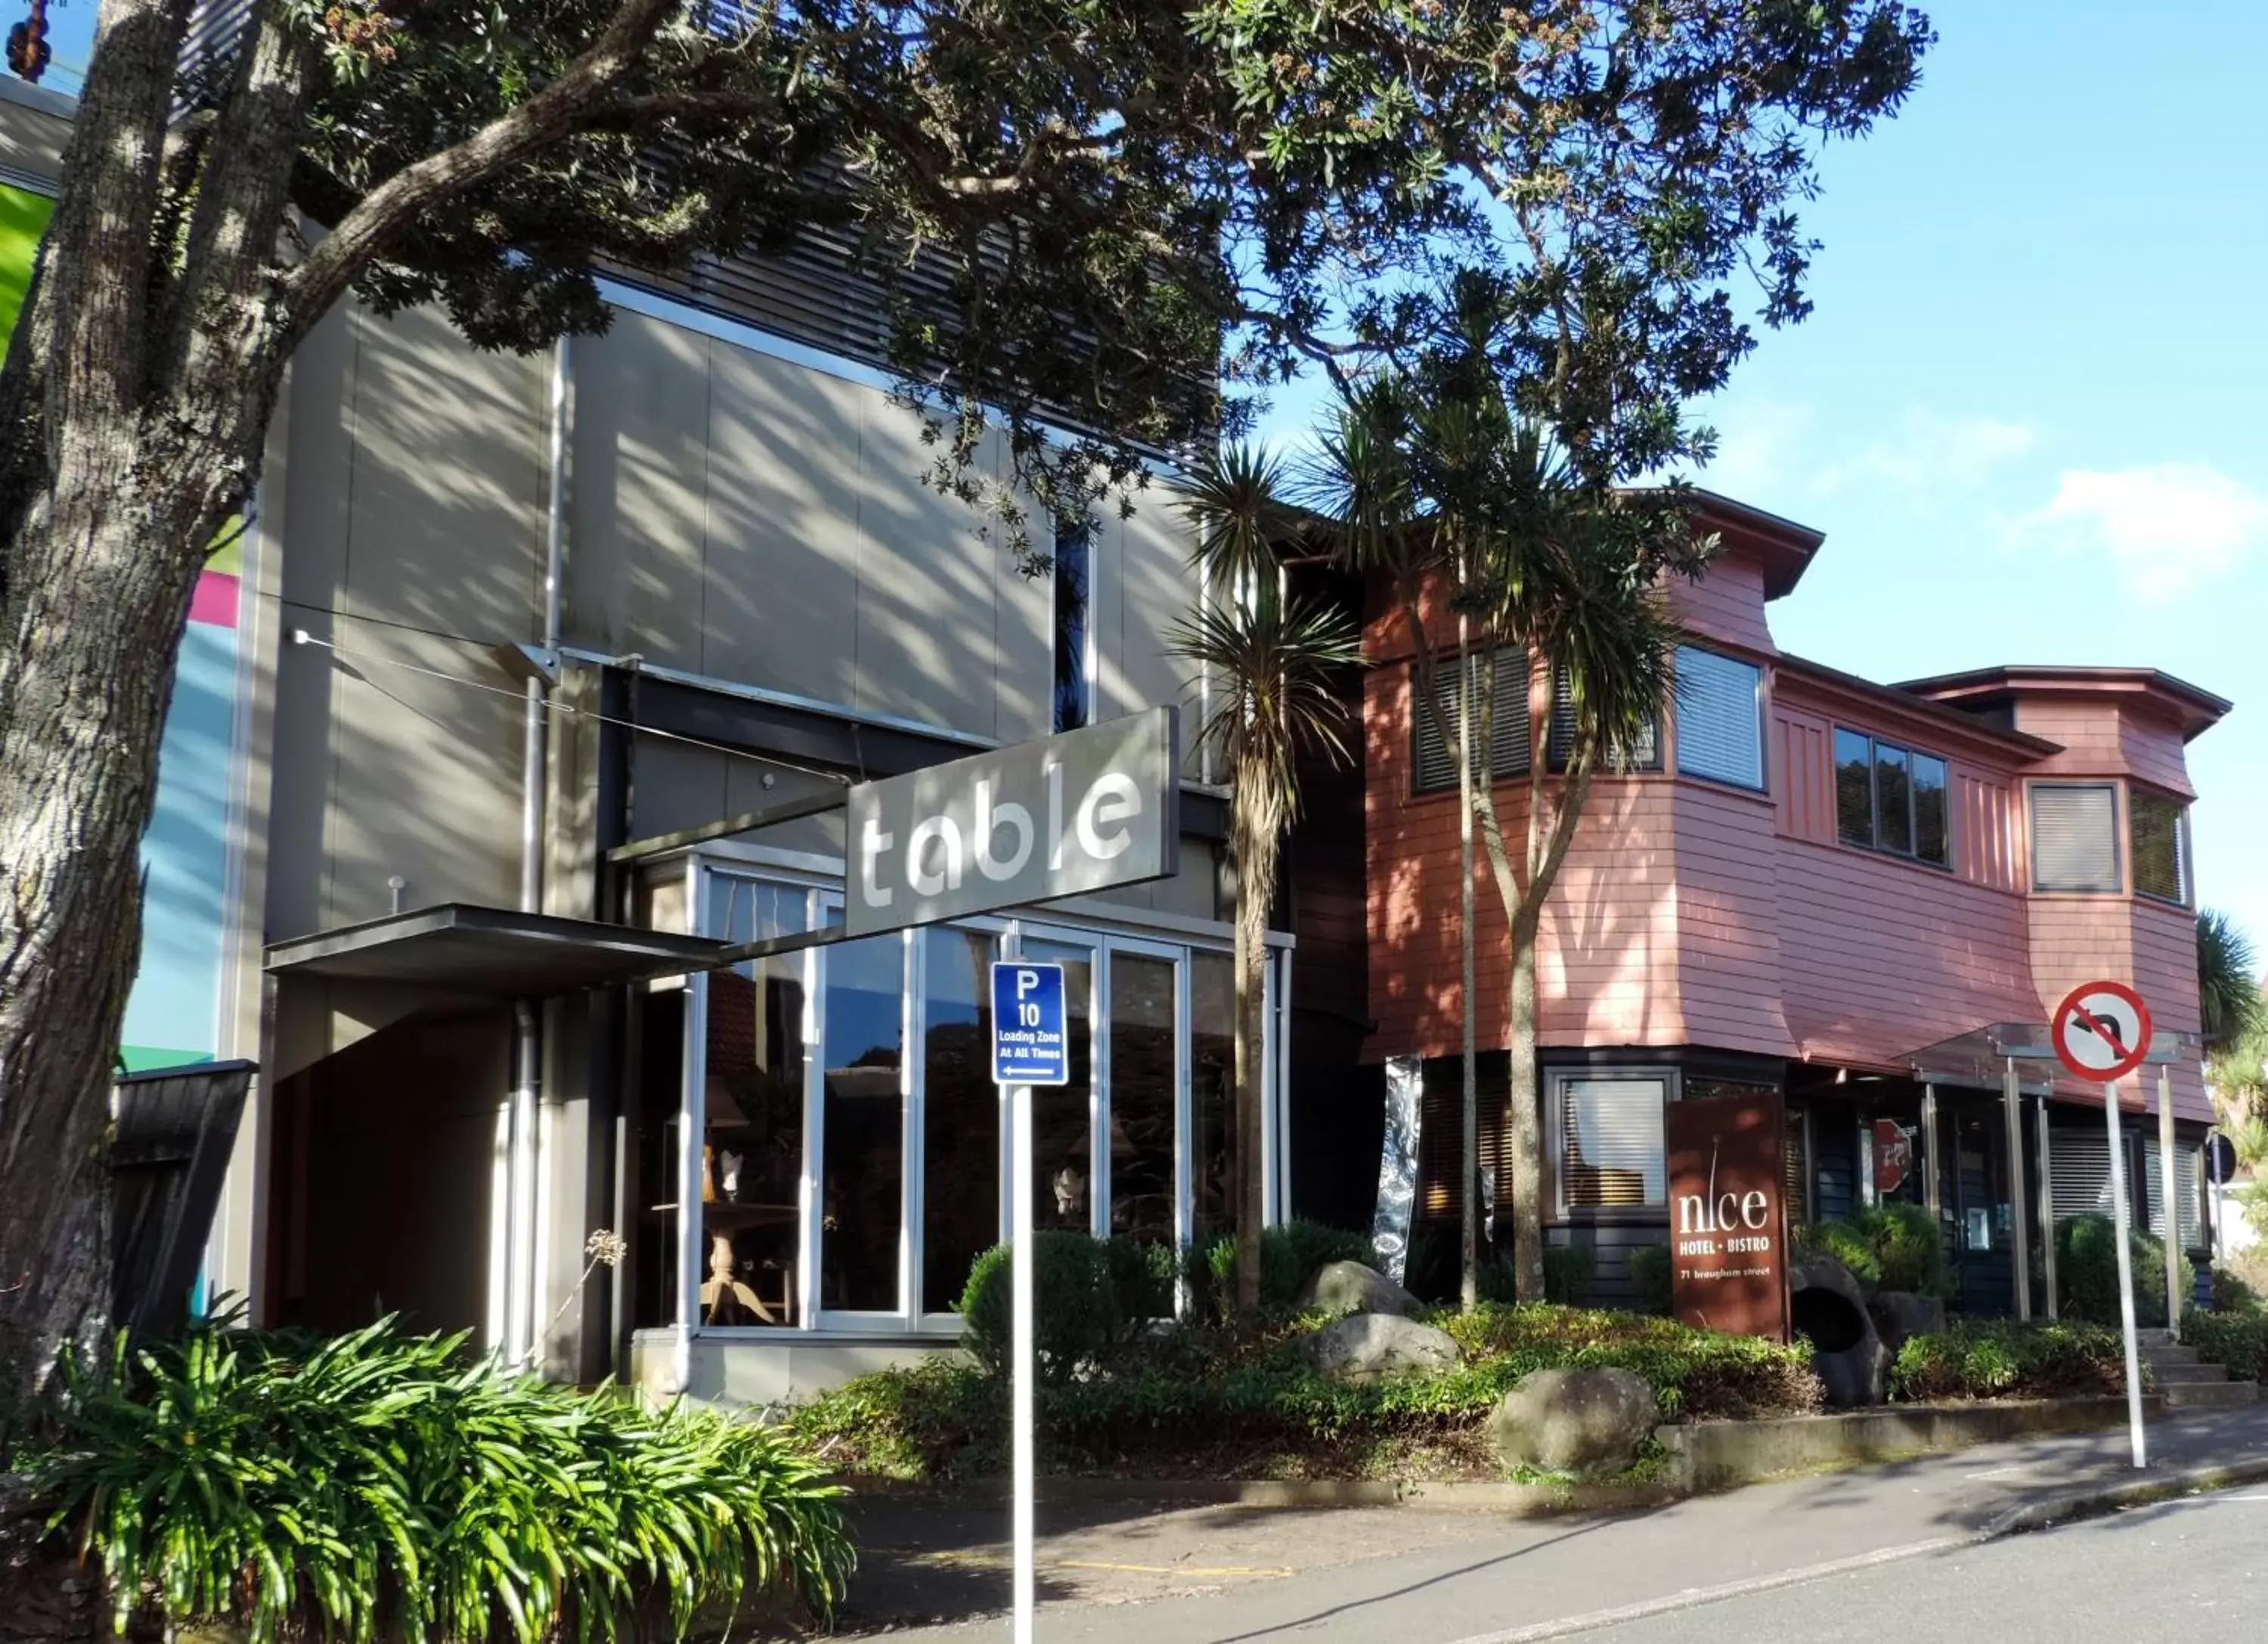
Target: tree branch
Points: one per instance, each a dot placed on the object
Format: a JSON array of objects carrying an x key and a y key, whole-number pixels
[{"x": 554, "y": 112}]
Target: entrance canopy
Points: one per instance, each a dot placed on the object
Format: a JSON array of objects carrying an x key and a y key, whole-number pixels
[
  {"x": 493, "y": 953},
  {"x": 1979, "y": 1058}
]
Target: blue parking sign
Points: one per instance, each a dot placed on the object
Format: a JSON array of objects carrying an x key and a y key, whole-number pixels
[{"x": 1030, "y": 1042}]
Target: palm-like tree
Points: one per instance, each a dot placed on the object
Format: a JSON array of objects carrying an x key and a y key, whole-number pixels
[
  {"x": 1580, "y": 587},
  {"x": 1274, "y": 656}
]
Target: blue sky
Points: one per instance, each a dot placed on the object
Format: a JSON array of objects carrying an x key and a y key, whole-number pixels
[{"x": 2026, "y": 411}]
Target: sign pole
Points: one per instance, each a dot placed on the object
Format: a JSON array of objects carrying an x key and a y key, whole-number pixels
[
  {"x": 1023, "y": 1291},
  {"x": 2175, "y": 1264},
  {"x": 2125, "y": 1272}
]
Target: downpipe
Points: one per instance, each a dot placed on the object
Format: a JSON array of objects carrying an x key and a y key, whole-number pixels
[{"x": 522, "y": 1149}]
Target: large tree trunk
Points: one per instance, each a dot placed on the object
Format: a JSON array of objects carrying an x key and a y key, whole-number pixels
[
  {"x": 1468, "y": 1271},
  {"x": 1525, "y": 1114},
  {"x": 98, "y": 593}
]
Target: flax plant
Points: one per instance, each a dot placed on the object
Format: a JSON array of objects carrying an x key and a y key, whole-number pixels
[{"x": 379, "y": 1484}]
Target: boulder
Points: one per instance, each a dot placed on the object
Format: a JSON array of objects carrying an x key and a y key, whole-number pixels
[
  {"x": 1830, "y": 1310},
  {"x": 1366, "y": 1346},
  {"x": 1900, "y": 1314},
  {"x": 1351, "y": 1287},
  {"x": 1575, "y": 1421}
]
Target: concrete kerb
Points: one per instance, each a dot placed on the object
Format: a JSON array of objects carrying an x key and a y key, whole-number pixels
[{"x": 2093, "y": 1503}]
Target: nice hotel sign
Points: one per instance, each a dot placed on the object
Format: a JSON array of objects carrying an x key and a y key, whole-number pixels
[{"x": 1727, "y": 1214}]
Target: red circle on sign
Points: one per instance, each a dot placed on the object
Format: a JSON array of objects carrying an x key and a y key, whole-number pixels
[{"x": 2072, "y": 1016}]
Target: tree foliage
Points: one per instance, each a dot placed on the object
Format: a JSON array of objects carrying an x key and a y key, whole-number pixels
[{"x": 1109, "y": 214}]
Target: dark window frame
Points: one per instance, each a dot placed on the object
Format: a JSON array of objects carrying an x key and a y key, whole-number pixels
[
  {"x": 1671, "y": 1080},
  {"x": 1070, "y": 698},
  {"x": 1492, "y": 661},
  {"x": 1559, "y": 741},
  {"x": 1913, "y": 757},
  {"x": 2121, "y": 869},
  {"x": 2139, "y": 795},
  {"x": 1762, "y": 784}
]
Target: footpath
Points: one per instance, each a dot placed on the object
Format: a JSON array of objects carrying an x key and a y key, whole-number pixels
[{"x": 1151, "y": 1572}]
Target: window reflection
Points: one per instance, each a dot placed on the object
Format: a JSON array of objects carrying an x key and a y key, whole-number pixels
[
  {"x": 961, "y": 1116},
  {"x": 1063, "y": 1155},
  {"x": 862, "y": 1203},
  {"x": 752, "y": 1134},
  {"x": 1142, "y": 1043},
  {"x": 1212, "y": 1092}
]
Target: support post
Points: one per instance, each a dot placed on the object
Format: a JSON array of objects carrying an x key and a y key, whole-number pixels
[
  {"x": 1931, "y": 1195},
  {"x": 2047, "y": 1206},
  {"x": 2175, "y": 1264},
  {"x": 2013, "y": 1112},
  {"x": 2121, "y": 1232},
  {"x": 1023, "y": 1294}
]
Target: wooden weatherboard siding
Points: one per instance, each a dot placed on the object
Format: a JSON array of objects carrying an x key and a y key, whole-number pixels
[{"x": 1691, "y": 914}]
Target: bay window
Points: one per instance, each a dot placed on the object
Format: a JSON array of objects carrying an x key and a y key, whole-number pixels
[
  {"x": 1891, "y": 799},
  {"x": 1719, "y": 718},
  {"x": 2075, "y": 836},
  {"x": 1608, "y": 1141},
  {"x": 2157, "y": 845}
]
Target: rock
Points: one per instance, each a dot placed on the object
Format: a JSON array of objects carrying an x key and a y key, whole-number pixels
[
  {"x": 1900, "y": 1314},
  {"x": 1830, "y": 1310},
  {"x": 1577, "y": 1422},
  {"x": 1351, "y": 1287},
  {"x": 1366, "y": 1346}
]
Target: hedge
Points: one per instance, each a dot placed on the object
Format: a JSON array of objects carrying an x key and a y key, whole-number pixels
[
  {"x": 1203, "y": 1388},
  {"x": 2000, "y": 1359},
  {"x": 2239, "y": 1340}
]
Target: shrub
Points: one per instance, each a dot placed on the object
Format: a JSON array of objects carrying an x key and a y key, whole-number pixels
[
  {"x": 2087, "y": 1272},
  {"x": 2232, "y": 1293},
  {"x": 1650, "y": 1278},
  {"x": 382, "y": 1482},
  {"x": 1183, "y": 1400},
  {"x": 1288, "y": 1253},
  {"x": 1080, "y": 1317},
  {"x": 2239, "y": 1340},
  {"x": 1568, "y": 1270},
  {"x": 1697, "y": 1375},
  {"x": 1909, "y": 1248},
  {"x": 2000, "y": 1359},
  {"x": 1840, "y": 1242}
]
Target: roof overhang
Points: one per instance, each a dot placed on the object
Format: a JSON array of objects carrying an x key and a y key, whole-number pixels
[
  {"x": 1784, "y": 549},
  {"x": 2194, "y": 709},
  {"x": 1902, "y": 700},
  {"x": 1981, "y": 1057},
  {"x": 492, "y": 953}
]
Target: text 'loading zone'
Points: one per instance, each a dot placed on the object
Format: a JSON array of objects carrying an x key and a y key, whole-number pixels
[{"x": 1088, "y": 810}]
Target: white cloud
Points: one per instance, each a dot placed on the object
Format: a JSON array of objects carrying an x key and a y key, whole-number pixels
[
  {"x": 1760, "y": 449},
  {"x": 1933, "y": 452},
  {"x": 2166, "y": 529}
]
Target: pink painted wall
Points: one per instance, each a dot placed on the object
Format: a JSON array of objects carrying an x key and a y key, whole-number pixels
[{"x": 1689, "y": 913}]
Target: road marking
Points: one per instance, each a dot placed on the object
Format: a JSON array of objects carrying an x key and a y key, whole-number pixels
[
  {"x": 1693, "y": 1596},
  {"x": 999, "y": 1561}
]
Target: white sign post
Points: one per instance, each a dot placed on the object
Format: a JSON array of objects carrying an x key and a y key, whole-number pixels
[
  {"x": 2102, "y": 1031},
  {"x": 1031, "y": 1046}
]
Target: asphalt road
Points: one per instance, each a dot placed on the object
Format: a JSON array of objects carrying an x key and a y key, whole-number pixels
[{"x": 2185, "y": 1569}]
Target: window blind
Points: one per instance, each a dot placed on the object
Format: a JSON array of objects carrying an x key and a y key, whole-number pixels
[
  {"x": 2080, "y": 1163},
  {"x": 2155, "y": 830},
  {"x": 1611, "y": 1144},
  {"x": 1507, "y": 674},
  {"x": 2075, "y": 836},
  {"x": 1719, "y": 724},
  {"x": 2185, "y": 1191},
  {"x": 1559, "y": 742}
]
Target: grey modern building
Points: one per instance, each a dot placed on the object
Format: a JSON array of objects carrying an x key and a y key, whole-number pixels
[{"x": 519, "y": 638}]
